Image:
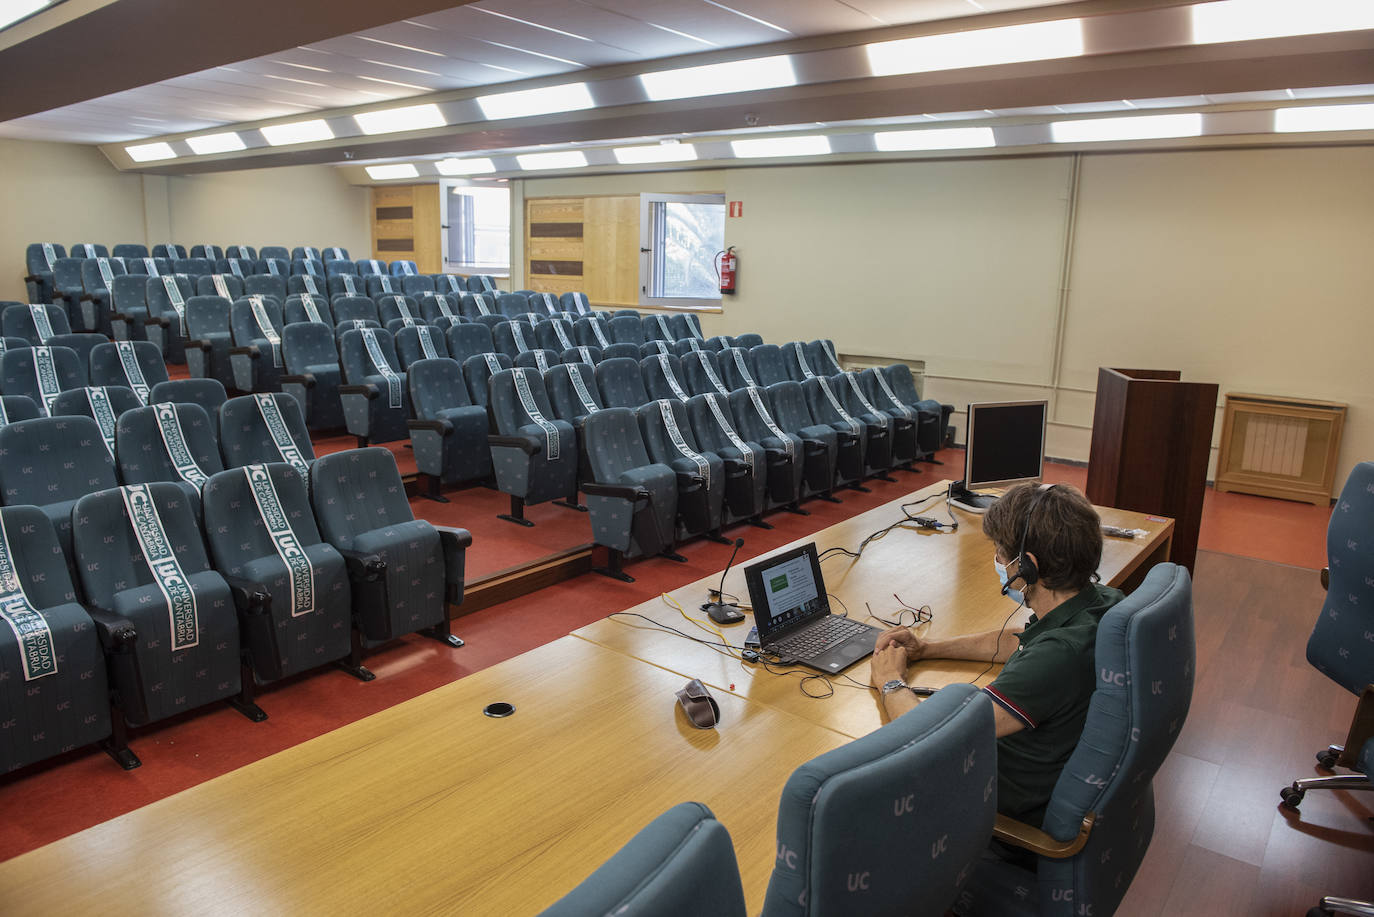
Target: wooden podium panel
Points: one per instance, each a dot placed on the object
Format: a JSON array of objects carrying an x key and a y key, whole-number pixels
[{"x": 1152, "y": 438}]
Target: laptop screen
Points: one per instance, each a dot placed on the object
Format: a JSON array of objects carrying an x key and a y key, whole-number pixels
[{"x": 786, "y": 590}]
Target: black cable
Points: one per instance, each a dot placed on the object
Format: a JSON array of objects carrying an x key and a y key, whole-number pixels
[{"x": 997, "y": 648}]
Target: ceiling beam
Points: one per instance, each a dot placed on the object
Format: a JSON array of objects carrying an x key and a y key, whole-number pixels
[{"x": 136, "y": 42}]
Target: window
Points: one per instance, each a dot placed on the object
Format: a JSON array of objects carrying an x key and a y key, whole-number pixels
[
  {"x": 476, "y": 228},
  {"x": 680, "y": 237}
]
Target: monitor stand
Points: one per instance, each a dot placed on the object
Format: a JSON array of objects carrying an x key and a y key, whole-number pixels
[{"x": 968, "y": 500}]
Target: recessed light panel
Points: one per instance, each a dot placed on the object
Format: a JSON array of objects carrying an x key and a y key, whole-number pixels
[
  {"x": 227, "y": 142},
  {"x": 1141, "y": 127},
  {"x": 715, "y": 79},
  {"x": 1324, "y": 118},
  {"x": 150, "y": 152},
  {"x": 1009, "y": 44},
  {"x": 392, "y": 170},
  {"x": 563, "y": 159},
  {"x": 527, "y": 103},
  {"x": 464, "y": 166},
  {"x": 954, "y": 138},
  {"x": 410, "y": 118},
  {"x": 661, "y": 152},
  {"x": 815, "y": 145},
  {"x": 1248, "y": 20},
  {"x": 297, "y": 132}
]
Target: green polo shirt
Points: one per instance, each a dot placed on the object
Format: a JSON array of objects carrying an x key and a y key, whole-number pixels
[{"x": 1046, "y": 685}]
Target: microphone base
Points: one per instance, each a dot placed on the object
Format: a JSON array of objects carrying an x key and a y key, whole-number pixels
[{"x": 722, "y": 613}]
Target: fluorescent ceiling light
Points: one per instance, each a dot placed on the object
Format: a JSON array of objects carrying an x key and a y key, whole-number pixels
[
  {"x": 150, "y": 152},
  {"x": 226, "y": 142},
  {"x": 563, "y": 159},
  {"x": 464, "y": 166},
  {"x": 1324, "y": 118},
  {"x": 1247, "y": 20},
  {"x": 714, "y": 79},
  {"x": 954, "y": 138},
  {"x": 410, "y": 118},
  {"x": 813, "y": 145},
  {"x": 394, "y": 170},
  {"x": 297, "y": 132},
  {"x": 15, "y": 10},
  {"x": 1139, "y": 127},
  {"x": 662, "y": 152},
  {"x": 978, "y": 48},
  {"x": 528, "y": 102}
]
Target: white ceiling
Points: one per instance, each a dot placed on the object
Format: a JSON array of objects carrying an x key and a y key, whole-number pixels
[{"x": 494, "y": 41}]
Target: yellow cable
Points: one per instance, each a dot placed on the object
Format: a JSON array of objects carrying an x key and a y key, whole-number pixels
[{"x": 704, "y": 625}]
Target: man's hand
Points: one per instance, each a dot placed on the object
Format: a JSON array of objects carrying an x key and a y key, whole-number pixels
[
  {"x": 900, "y": 636},
  {"x": 887, "y": 664}
]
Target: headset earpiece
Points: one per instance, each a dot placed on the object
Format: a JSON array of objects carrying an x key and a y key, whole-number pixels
[{"x": 1026, "y": 570}]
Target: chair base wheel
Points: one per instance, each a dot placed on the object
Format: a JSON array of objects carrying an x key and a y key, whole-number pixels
[
  {"x": 518, "y": 520},
  {"x": 123, "y": 756},
  {"x": 1327, "y": 759},
  {"x": 619, "y": 575},
  {"x": 360, "y": 672},
  {"x": 248, "y": 709},
  {"x": 1291, "y": 797}
]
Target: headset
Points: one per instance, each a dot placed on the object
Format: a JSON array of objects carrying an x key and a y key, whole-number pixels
[{"x": 1026, "y": 570}]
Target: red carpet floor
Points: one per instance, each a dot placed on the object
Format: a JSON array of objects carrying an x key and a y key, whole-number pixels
[{"x": 51, "y": 800}]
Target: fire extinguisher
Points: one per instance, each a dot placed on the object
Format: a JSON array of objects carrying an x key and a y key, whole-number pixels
[{"x": 727, "y": 266}]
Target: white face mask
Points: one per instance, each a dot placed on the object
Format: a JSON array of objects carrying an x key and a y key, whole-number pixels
[{"x": 1014, "y": 594}]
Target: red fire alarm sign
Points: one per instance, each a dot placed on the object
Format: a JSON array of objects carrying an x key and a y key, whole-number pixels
[{"x": 737, "y": 208}]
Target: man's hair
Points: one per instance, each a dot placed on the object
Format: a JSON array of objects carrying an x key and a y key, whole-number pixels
[{"x": 1065, "y": 533}]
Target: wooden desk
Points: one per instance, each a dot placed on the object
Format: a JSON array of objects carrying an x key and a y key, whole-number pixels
[
  {"x": 431, "y": 807},
  {"x": 952, "y": 573}
]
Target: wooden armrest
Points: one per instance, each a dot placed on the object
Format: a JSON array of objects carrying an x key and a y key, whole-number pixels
[
  {"x": 1361, "y": 729},
  {"x": 1019, "y": 834}
]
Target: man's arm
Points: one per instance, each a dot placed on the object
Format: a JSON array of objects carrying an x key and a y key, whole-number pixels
[
  {"x": 891, "y": 663},
  {"x": 974, "y": 647}
]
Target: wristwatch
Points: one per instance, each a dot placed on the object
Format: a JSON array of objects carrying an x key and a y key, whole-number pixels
[{"x": 895, "y": 684}]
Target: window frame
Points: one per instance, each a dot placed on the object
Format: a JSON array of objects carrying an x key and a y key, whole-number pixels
[
  {"x": 447, "y": 188},
  {"x": 648, "y": 252}
]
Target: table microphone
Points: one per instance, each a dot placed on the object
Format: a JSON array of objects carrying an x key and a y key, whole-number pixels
[{"x": 719, "y": 611}]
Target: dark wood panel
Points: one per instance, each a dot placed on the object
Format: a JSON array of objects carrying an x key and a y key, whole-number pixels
[
  {"x": 395, "y": 213},
  {"x": 395, "y": 245},
  {"x": 505, "y": 585},
  {"x": 556, "y": 268},
  {"x": 555, "y": 230}
]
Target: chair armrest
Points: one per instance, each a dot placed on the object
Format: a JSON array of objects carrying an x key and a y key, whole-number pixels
[
  {"x": 736, "y": 468},
  {"x": 1361, "y": 729},
  {"x": 1019, "y": 834},
  {"x": 250, "y": 596},
  {"x": 526, "y": 444},
  {"x": 31, "y": 278},
  {"x": 87, "y": 297},
  {"x": 371, "y": 392},
  {"x": 116, "y": 632},
  {"x": 1326, "y": 577},
  {"x": 442, "y": 427},
  {"x": 363, "y": 567},
  {"x": 306, "y": 379},
  {"x": 454, "y": 536},
  {"x": 814, "y": 446},
  {"x": 622, "y": 491},
  {"x": 199, "y": 344},
  {"x": 690, "y": 479},
  {"x": 162, "y": 320},
  {"x": 249, "y": 351},
  {"x": 454, "y": 542}
]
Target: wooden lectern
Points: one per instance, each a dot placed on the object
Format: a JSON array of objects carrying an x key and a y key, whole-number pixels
[{"x": 1152, "y": 438}]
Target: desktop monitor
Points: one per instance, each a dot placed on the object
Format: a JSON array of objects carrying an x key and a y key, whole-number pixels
[{"x": 1005, "y": 445}]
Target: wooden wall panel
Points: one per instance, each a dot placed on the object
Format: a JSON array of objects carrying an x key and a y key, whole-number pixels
[
  {"x": 611, "y": 233},
  {"x": 553, "y": 245},
  {"x": 398, "y": 238}
]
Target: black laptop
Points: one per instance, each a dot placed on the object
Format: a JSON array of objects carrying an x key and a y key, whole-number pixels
[{"x": 793, "y": 616}]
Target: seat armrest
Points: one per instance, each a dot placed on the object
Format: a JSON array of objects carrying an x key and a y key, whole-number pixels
[
  {"x": 814, "y": 446},
  {"x": 1019, "y": 834},
  {"x": 442, "y": 427},
  {"x": 452, "y": 535},
  {"x": 30, "y": 278},
  {"x": 306, "y": 379},
  {"x": 116, "y": 632},
  {"x": 250, "y": 596},
  {"x": 199, "y": 344},
  {"x": 1326, "y": 577},
  {"x": 526, "y": 444},
  {"x": 367, "y": 390},
  {"x": 87, "y": 297},
  {"x": 622, "y": 491},
  {"x": 249, "y": 351},
  {"x": 162, "y": 320},
  {"x": 690, "y": 479},
  {"x": 363, "y": 567}
]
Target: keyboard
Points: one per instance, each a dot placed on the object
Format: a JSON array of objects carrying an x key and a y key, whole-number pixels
[{"x": 825, "y": 634}]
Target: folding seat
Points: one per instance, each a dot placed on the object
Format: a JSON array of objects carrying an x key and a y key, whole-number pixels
[
  {"x": 621, "y": 383},
  {"x": 902, "y": 388},
  {"x": 42, "y": 373},
  {"x": 404, "y": 571},
  {"x": 538, "y": 359},
  {"x": 68, "y": 289},
  {"x": 336, "y": 266},
  {"x": 346, "y": 285},
  {"x": 85, "y": 250},
  {"x": 379, "y": 285},
  {"x": 263, "y": 537},
  {"x": 747, "y": 341},
  {"x": 168, "y": 442},
  {"x": 242, "y": 252},
  {"x": 208, "y": 339},
  {"x": 102, "y": 403},
  {"x": 668, "y": 437},
  {"x": 129, "y": 307},
  {"x": 654, "y": 349},
  {"x": 256, "y": 357},
  {"x": 663, "y": 378},
  {"x": 417, "y": 285},
  {"x": 436, "y": 306},
  {"x": 56, "y": 694},
  {"x": 392, "y": 306},
  {"x": 166, "y": 297},
  {"x": 97, "y": 276},
  {"x": 593, "y": 331},
  {"x": 34, "y": 323},
  {"x": 843, "y": 456},
  {"x": 40, "y": 258},
  {"x": 790, "y": 459},
  {"x": 171, "y": 251},
  {"x": 735, "y": 369},
  {"x": 767, "y": 365},
  {"x": 264, "y": 428},
  {"x": 589, "y": 355},
  {"x": 300, "y": 284},
  {"x": 17, "y": 407},
  {"x": 469, "y": 340},
  {"x": 309, "y": 267},
  {"x": 575, "y": 304},
  {"x": 627, "y": 313},
  {"x": 512, "y": 305},
  {"x": 797, "y": 360},
  {"x": 303, "y": 307},
  {"x": 376, "y": 399},
  {"x": 514, "y": 338},
  {"x": 306, "y": 253},
  {"x": 193, "y": 267},
  {"x": 419, "y": 342},
  {"x": 128, "y": 250},
  {"x": 482, "y": 283},
  {"x": 450, "y": 285},
  {"x": 275, "y": 252},
  {"x": 533, "y": 319},
  {"x": 478, "y": 370},
  {"x": 225, "y": 285},
  {"x": 746, "y": 463},
  {"x": 83, "y": 342},
  {"x": 631, "y": 501},
  {"x": 136, "y": 365},
  {"x": 685, "y": 325},
  {"x": 626, "y": 329},
  {"x": 208, "y": 393},
  {"x": 685, "y": 346},
  {"x": 235, "y": 267},
  {"x": 572, "y": 390},
  {"x": 545, "y": 304},
  {"x": 533, "y": 454},
  {"x": 403, "y": 268},
  {"x": 350, "y": 309},
  {"x": 145, "y": 267},
  {"x": 875, "y": 443},
  {"x": 210, "y": 252},
  {"x": 623, "y": 351},
  {"x": 444, "y": 322},
  {"x": 479, "y": 305},
  {"x": 265, "y": 285},
  {"x": 823, "y": 358},
  {"x": 449, "y": 432},
  {"x": 168, "y": 621},
  {"x": 51, "y": 462},
  {"x": 555, "y": 334},
  {"x": 701, "y": 373},
  {"x": 365, "y": 266},
  {"x": 273, "y": 267},
  {"x": 903, "y": 448},
  {"x": 657, "y": 328},
  {"x": 313, "y": 373}
]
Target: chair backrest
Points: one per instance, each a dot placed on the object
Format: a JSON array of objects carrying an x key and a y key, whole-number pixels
[
  {"x": 97, "y": 274},
  {"x": 379, "y": 285},
  {"x": 306, "y": 253},
  {"x": 212, "y": 252},
  {"x": 767, "y": 365},
  {"x": 518, "y": 397},
  {"x": 237, "y": 532},
  {"x": 545, "y": 303},
  {"x": 575, "y": 303},
  {"x": 265, "y": 285},
  {"x": 512, "y": 305},
  {"x": 556, "y": 334},
  {"x": 33, "y": 322},
  {"x": 361, "y": 361},
  {"x": 336, "y": 266},
  {"x": 128, "y": 296},
  {"x": 514, "y": 338},
  {"x": 102, "y": 403},
  {"x": 1341, "y": 647},
  {"x": 130, "y": 250},
  {"x": 41, "y": 373},
  {"x": 243, "y": 252},
  {"x": 626, "y": 329},
  {"x": 250, "y": 318},
  {"x": 238, "y": 267},
  {"x": 170, "y": 250},
  {"x": 475, "y": 305},
  {"x": 682, "y": 864},
  {"x": 823, "y": 358},
  {"x": 798, "y": 362},
  {"x": 436, "y": 385},
  {"x": 279, "y": 252},
  {"x": 891, "y": 824},
  {"x": 312, "y": 268},
  {"x": 193, "y": 267},
  {"x": 274, "y": 267},
  {"x": 157, "y": 291},
  {"x": 539, "y": 359},
  {"x": 654, "y": 348},
  {"x": 735, "y": 369},
  {"x": 788, "y": 401},
  {"x": 582, "y": 354},
  {"x": 225, "y": 285},
  {"x": 305, "y": 307},
  {"x": 346, "y": 285},
  {"x": 53, "y": 459},
  {"x": 623, "y": 352},
  {"x": 754, "y": 418},
  {"x": 417, "y": 285},
  {"x": 614, "y": 443},
  {"x": 668, "y": 435},
  {"x": 572, "y": 390},
  {"x": 713, "y": 423},
  {"x": 392, "y": 306},
  {"x": 663, "y": 377},
  {"x": 593, "y": 331},
  {"x": 419, "y": 342},
  {"x": 370, "y": 266},
  {"x": 207, "y": 316},
  {"x": 656, "y": 327},
  {"x": 749, "y": 340},
  {"x": 683, "y": 346},
  {"x": 478, "y": 370},
  {"x": 701, "y": 373},
  {"x": 343, "y": 481},
  {"x": 83, "y": 342},
  {"x": 167, "y": 442},
  {"x": 354, "y": 308},
  {"x": 469, "y": 340},
  {"x": 264, "y": 428},
  {"x": 66, "y": 274},
  {"x": 434, "y": 306},
  {"x": 208, "y": 393},
  {"x": 308, "y": 346},
  {"x": 621, "y": 383},
  {"x": 12, "y": 343},
  {"x": 14, "y": 408},
  {"x": 41, "y": 257},
  {"x": 824, "y": 403},
  {"x": 903, "y": 384},
  {"x": 686, "y": 326}
]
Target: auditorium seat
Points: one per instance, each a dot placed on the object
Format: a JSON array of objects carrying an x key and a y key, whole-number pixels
[
  {"x": 265, "y": 285},
  {"x": 333, "y": 267},
  {"x": 83, "y": 342},
  {"x": 102, "y": 403},
  {"x": 556, "y": 334},
  {"x": 654, "y": 348},
  {"x": 256, "y": 357},
  {"x": 349, "y": 309},
  {"x": 209, "y": 339},
  {"x": 662, "y": 376},
  {"x": 365, "y": 266},
  {"x": 593, "y": 331},
  {"x": 534, "y": 455},
  {"x": 171, "y": 251},
  {"x": 210, "y": 252},
  {"x": 275, "y": 252},
  {"x": 841, "y": 451},
  {"x": 243, "y": 252},
  {"x": 626, "y": 329},
  {"x": 449, "y": 432},
  {"x": 264, "y": 428},
  {"x": 631, "y": 501},
  {"x": 935, "y": 416},
  {"x": 42, "y": 373},
  {"x": 823, "y": 358},
  {"x": 313, "y": 373},
  {"x": 623, "y": 352},
  {"x": 128, "y": 250},
  {"x": 735, "y": 369},
  {"x": 747, "y": 341},
  {"x": 512, "y": 305},
  {"x": 129, "y": 307},
  {"x": 434, "y": 306},
  {"x": 166, "y": 327},
  {"x": 478, "y": 370},
  {"x": 346, "y": 285},
  {"x": 482, "y": 283},
  {"x": 686, "y": 326},
  {"x": 572, "y": 392},
  {"x": 226, "y": 286},
  {"x": 379, "y": 285},
  {"x": 469, "y": 340},
  {"x": 14, "y": 408},
  {"x": 655, "y": 327},
  {"x": 621, "y": 383},
  {"x": 788, "y": 456},
  {"x": 794, "y": 357},
  {"x": 97, "y": 276},
  {"x": 901, "y": 429},
  {"x": 450, "y": 285},
  {"x": 40, "y": 258},
  {"x": 174, "y": 442},
  {"x": 669, "y": 439},
  {"x": 273, "y": 267},
  {"x": 208, "y": 393},
  {"x": 86, "y": 250},
  {"x": 309, "y": 267},
  {"x": 589, "y": 355},
  {"x": 537, "y": 359},
  {"x": 873, "y": 447},
  {"x": 306, "y": 253},
  {"x": 701, "y": 373},
  {"x": 683, "y": 346},
  {"x": 767, "y": 365},
  {"x": 476, "y": 306},
  {"x": 419, "y": 342},
  {"x": 193, "y": 267},
  {"x": 56, "y": 697},
  {"x": 417, "y": 285},
  {"x": 51, "y": 462},
  {"x": 305, "y": 307},
  {"x": 33, "y": 322},
  {"x": 235, "y": 267},
  {"x": 575, "y": 304},
  {"x": 147, "y": 266},
  {"x": 746, "y": 463},
  {"x": 68, "y": 289},
  {"x": 376, "y": 399},
  {"x": 393, "y": 306},
  {"x": 513, "y": 338},
  {"x": 545, "y": 304}
]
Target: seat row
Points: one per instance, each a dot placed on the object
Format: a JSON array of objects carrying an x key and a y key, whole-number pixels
[{"x": 171, "y": 609}]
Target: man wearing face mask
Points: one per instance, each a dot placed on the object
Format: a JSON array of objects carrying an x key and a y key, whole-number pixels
[{"x": 1048, "y": 545}]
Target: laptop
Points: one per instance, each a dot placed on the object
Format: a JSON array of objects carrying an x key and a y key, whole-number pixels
[{"x": 793, "y": 616}]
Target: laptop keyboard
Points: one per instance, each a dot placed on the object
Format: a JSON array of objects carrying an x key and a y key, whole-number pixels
[{"x": 825, "y": 634}]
